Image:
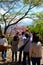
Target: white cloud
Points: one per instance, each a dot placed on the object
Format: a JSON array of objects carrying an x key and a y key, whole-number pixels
[
  {"x": 2, "y": 11},
  {"x": 26, "y": 22}
]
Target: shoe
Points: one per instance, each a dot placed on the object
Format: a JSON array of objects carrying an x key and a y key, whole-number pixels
[
  {"x": 4, "y": 60},
  {"x": 19, "y": 62}
]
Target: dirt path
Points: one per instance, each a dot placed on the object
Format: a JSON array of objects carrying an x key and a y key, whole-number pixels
[{"x": 9, "y": 57}]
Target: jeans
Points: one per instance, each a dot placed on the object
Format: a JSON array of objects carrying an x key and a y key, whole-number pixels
[
  {"x": 20, "y": 55},
  {"x": 13, "y": 56},
  {"x": 4, "y": 54},
  {"x": 26, "y": 54},
  {"x": 36, "y": 61}
]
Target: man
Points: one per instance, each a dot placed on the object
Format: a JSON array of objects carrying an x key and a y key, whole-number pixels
[{"x": 21, "y": 40}]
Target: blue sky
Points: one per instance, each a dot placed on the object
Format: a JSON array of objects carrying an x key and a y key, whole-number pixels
[
  {"x": 37, "y": 9},
  {"x": 30, "y": 21},
  {"x": 25, "y": 21}
]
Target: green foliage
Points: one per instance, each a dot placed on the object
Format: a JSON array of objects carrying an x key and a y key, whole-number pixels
[
  {"x": 34, "y": 2},
  {"x": 26, "y": 1},
  {"x": 9, "y": 38},
  {"x": 39, "y": 24},
  {"x": 11, "y": 10},
  {"x": 37, "y": 28}
]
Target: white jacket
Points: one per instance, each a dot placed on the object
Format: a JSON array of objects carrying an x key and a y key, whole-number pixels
[{"x": 5, "y": 42}]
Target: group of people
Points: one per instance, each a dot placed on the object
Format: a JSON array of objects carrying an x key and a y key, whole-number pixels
[{"x": 30, "y": 46}]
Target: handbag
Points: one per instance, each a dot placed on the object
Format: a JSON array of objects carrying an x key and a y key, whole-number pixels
[{"x": 5, "y": 44}]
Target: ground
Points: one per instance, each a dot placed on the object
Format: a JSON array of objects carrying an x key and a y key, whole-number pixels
[{"x": 8, "y": 61}]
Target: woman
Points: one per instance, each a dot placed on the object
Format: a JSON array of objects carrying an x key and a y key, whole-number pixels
[
  {"x": 4, "y": 43},
  {"x": 35, "y": 50},
  {"x": 14, "y": 47}
]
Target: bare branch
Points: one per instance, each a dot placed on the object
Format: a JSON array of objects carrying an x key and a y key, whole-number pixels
[
  {"x": 29, "y": 17},
  {"x": 8, "y": 10},
  {"x": 15, "y": 15},
  {"x": 22, "y": 16},
  {"x": 9, "y": 1}
]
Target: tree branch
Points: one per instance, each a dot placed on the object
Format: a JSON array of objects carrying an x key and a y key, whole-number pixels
[
  {"x": 21, "y": 17},
  {"x": 8, "y": 10},
  {"x": 29, "y": 18},
  {"x": 15, "y": 15}
]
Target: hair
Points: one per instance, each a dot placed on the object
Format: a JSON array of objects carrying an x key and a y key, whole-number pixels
[
  {"x": 15, "y": 38},
  {"x": 23, "y": 33},
  {"x": 35, "y": 37},
  {"x": 27, "y": 35}
]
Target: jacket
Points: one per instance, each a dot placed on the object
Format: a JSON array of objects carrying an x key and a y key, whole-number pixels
[
  {"x": 35, "y": 50},
  {"x": 27, "y": 47}
]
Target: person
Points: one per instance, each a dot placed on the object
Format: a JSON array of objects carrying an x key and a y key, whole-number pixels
[
  {"x": 4, "y": 44},
  {"x": 31, "y": 36},
  {"x": 26, "y": 49},
  {"x": 14, "y": 47},
  {"x": 21, "y": 40},
  {"x": 35, "y": 50}
]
